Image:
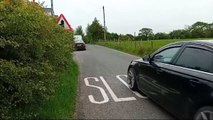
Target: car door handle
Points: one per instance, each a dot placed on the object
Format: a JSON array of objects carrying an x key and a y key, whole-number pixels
[{"x": 159, "y": 71}]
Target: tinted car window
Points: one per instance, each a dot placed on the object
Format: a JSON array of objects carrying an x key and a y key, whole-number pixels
[
  {"x": 198, "y": 59},
  {"x": 167, "y": 55}
]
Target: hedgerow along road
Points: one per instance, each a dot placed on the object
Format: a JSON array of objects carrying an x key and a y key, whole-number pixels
[{"x": 103, "y": 90}]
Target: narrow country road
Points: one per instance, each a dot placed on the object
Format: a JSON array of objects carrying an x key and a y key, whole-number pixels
[{"x": 103, "y": 93}]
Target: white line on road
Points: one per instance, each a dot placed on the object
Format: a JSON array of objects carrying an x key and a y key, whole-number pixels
[
  {"x": 115, "y": 98},
  {"x": 136, "y": 93}
]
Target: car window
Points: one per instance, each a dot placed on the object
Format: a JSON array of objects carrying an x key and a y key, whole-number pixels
[
  {"x": 78, "y": 39},
  {"x": 167, "y": 55},
  {"x": 197, "y": 59}
]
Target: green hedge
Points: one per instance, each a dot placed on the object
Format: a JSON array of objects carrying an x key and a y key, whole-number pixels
[{"x": 33, "y": 53}]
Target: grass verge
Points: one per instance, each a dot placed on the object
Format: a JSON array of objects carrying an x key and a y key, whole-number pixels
[
  {"x": 139, "y": 48},
  {"x": 62, "y": 104}
]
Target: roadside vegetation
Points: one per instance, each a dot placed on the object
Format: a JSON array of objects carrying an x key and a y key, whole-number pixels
[
  {"x": 139, "y": 48},
  {"x": 38, "y": 78},
  {"x": 62, "y": 104}
]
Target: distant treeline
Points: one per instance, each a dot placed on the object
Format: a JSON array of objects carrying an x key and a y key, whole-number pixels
[
  {"x": 197, "y": 30},
  {"x": 95, "y": 32}
]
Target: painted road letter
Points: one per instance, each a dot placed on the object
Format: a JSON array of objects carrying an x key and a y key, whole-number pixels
[{"x": 91, "y": 98}]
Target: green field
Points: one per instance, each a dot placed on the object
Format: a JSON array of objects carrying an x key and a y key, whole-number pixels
[{"x": 139, "y": 48}]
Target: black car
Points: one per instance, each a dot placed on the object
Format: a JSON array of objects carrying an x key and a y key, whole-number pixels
[{"x": 179, "y": 77}]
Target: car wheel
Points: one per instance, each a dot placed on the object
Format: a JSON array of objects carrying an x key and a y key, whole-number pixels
[
  {"x": 131, "y": 79},
  {"x": 204, "y": 113}
]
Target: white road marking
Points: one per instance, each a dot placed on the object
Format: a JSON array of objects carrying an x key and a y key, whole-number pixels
[
  {"x": 91, "y": 98},
  {"x": 136, "y": 93},
  {"x": 115, "y": 98}
]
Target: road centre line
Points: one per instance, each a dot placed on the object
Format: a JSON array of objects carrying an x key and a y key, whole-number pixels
[{"x": 136, "y": 93}]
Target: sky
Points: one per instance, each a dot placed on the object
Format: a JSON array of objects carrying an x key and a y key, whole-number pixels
[{"x": 129, "y": 16}]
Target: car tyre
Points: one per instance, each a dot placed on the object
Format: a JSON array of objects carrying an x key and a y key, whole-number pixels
[
  {"x": 204, "y": 113},
  {"x": 131, "y": 79}
]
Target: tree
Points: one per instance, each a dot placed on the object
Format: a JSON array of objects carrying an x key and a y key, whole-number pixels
[
  {"x": 210, "y": 30},
  {"x": 112, "y": 36},
  {"x": 79, "y": 31},
  {"x": 95, "y": 31},
  {"x": 199, "y": 30},
  {"x": 130, "y": 37},
  {"x": 159, "y": 36},
  {"x": 146, "y": 33},
  {"x": 177, "y": 34},
  {"x": 126, "y": 37}
]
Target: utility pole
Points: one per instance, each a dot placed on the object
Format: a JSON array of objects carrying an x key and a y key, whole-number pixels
[
  {"x": 104, "y": 24},
  {"x": 52, "y": 7}
]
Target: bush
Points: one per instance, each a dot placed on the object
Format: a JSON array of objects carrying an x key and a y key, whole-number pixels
[{"x": 33, "y": 53}]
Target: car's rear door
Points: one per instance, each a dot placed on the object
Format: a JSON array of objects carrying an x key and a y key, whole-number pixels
[{"x": 185, "y": 80}]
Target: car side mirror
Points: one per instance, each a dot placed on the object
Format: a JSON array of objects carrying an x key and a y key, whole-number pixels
[
  {"x": 146, "y": 58},
  {"x": 151, "y": 61}
]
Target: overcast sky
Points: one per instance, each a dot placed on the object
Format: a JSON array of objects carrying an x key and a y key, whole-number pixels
[{"x": 129, "y": 16}]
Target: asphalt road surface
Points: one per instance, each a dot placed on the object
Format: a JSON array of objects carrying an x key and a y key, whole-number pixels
[{"x": 103, "y": 93}]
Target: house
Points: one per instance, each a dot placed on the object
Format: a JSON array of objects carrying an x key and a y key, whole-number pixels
[{"x": 49, "y": 11}]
